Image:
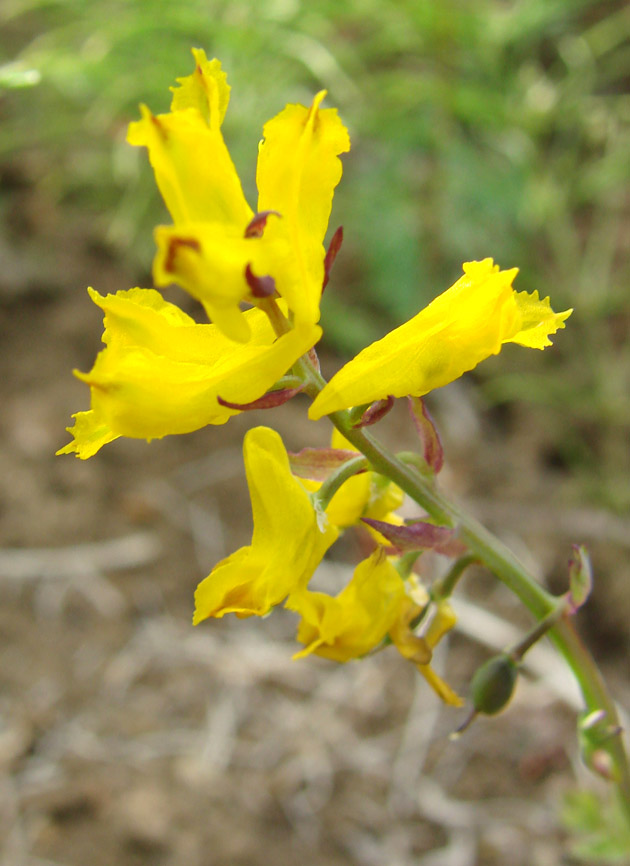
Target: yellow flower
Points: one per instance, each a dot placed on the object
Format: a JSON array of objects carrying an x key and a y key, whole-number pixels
[
  {"x": 161, "y": 372},
  {"x": 419, "y": 649},
  {"x": 352, "y": 623},
  {"x": 375, "y": 604},
  {"x": 288, "y": 542},
  {"x": 215, "y": 235},
  {"x": 460, "y": 328}
]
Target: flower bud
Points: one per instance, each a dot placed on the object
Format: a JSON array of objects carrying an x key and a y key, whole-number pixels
[{"x": 493, "y": 684}]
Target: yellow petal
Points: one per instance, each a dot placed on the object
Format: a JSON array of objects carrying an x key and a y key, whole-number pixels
[
  {"x": 460, "y": 328},
  {"x": 209, "y": 261},
  {"x": 440, "y": 687},
  {"x": 288, "y": 541},
  {"x": 206, "y": 90},
  {"x": 89, "y": 434},
  {"x": 234, "y": 586},
  {"x": 161, "y": 373},
  {"x": 193, "y": 169},
  {"x": 443, "y": 621},
  {"x": 349, "y": 625},
  {"x": 411, "y": 646},
  {"x": 298, "y": 170},
  {"x": 538, "y": 321},
  {"x": 148, "y": 396},
  {"x": 418, "y": 648},
  {"x": 348, "y": 504}
]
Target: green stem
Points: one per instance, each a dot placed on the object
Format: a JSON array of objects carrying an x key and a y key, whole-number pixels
[
  {"x": 518, "y": 650},
  {"x": 286, "y": 382},
  {"x": 443, "y": 588},
  {"x": 334, "y": 481},
  {"x": 279, "y": 322},
  {"x": 500, "y": 560},
  {"x": 405, "y": 563}
]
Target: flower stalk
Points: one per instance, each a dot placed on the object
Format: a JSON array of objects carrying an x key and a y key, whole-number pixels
[
  {"x": 335, "y": 480},
  {"x": 445, "y": 586}
]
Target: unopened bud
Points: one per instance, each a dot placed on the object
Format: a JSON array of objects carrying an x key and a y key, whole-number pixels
[
  {"x": 493, "y": 684},
  {"x": 602, "y": 763}
]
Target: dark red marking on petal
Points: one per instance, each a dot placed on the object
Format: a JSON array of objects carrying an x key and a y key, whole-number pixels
[
  {"x": 262, "y": 287},
  {"x": 318, "y": 463},
  {"x": 375, "y": 412},
  {"x": 331, "y": 254},
  {"x": 433, "y": 451},
  {"x": 419, "y": 536},
  {"x": 267, "y": 401},
  {"x": 173, "y": 248},
  {"x": 256, "y": 225},
  {"x": 159, "y": 126}
]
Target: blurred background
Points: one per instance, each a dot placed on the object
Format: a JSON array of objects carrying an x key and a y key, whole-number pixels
[{"x": 479, "y": 128}]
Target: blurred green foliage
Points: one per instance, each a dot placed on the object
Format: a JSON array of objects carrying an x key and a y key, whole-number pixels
[
  {"x": 479, "y": 127},
  {"x": 599, "y": 828}
]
